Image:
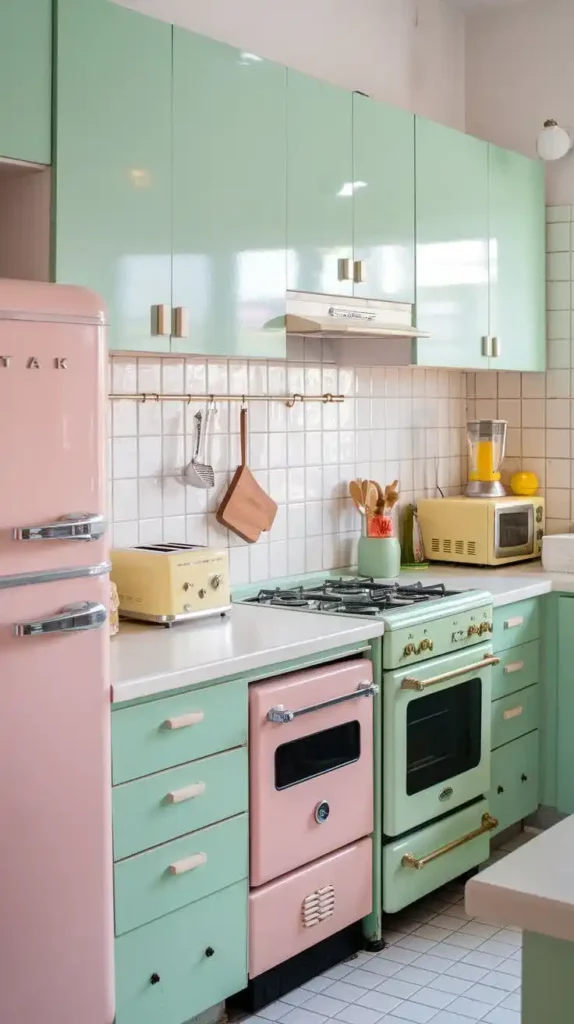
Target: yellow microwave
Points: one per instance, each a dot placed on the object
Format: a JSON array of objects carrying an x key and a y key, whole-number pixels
[{"x": 482, "y": 531}]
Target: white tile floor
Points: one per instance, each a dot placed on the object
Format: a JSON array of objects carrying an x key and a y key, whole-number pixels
[{"x": 439, "y": 966}]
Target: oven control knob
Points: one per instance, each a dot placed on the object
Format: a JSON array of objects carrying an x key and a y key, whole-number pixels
[
  {"x": 322, "y": 812},
  {"x": 409, "y": 649},
  {"x": 426, "y": 645},
  {"x": 473, "y": 631}
]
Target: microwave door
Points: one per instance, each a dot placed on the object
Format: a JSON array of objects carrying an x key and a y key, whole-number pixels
[
  {"x": 514, "y": 531},
  {"x": 55, "y": 853}
]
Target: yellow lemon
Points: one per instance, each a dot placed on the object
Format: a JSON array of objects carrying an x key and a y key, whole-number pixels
[{"x": 524, "y": 483}]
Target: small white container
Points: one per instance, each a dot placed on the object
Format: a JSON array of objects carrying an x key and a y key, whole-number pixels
[{"x": 558, "y": 552}]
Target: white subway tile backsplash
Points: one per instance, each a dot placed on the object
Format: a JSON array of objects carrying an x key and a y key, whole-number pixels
[{"x": 558, "y": 237}]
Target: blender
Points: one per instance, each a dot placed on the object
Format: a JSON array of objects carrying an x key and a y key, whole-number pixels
[{"x": 486, "y": 441}]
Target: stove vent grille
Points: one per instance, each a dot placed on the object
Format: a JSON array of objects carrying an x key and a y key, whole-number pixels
[{"x": 318, "y": 905}]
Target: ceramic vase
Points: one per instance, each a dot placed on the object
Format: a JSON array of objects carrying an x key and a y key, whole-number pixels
[{"x": 379, "y": 557}]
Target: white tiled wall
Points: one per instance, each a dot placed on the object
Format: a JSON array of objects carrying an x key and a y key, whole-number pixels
[
  {"x": 538, "y": 406},
  {"x": 404, "y": 423}
]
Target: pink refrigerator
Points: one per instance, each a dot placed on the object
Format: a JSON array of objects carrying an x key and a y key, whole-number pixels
[{"x": 56, "y": 931}]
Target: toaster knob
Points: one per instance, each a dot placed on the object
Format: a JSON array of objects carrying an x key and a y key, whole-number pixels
[
  {"x": 215, "y": 580},
  {"x": 201, "y": 593},
  {"x": 186, "y": 586}
]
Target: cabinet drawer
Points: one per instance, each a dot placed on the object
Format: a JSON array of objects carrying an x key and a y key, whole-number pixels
[
  {"x": 519, "y": 667},
  {"x": 403, "y": 884},
  {"x": 162, "y": 733},
  {"x": 516, "y": 624},
  {"x": 171, "y": 804},
  {"x": 176, "y": 967},
  {"x": 515, "y": 715},
  {"x": 178, "y": 873},
  {"x": 514, "y": 772}
]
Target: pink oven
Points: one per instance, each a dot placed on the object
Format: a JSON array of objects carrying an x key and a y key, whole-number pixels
[{"x": 311, "y": 794}]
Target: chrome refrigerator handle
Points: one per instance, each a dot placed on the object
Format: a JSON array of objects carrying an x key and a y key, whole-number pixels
[
  {"x": 76, "y": 526},
  {"x": 281, "y": 715},
  {"x": 72, "y": 619}
]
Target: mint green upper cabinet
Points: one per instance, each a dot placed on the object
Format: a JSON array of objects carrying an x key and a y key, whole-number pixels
[
  {"x": 26, "y": 80},
  {"x": 383, "y": 200},
  {"x": 451, "y": 246},
  {"x": 320, "y": 186},
  {"x": 229, "y": 216},
  {"x": 113, "y": 163},
  {"x": 517, "y": 261}
]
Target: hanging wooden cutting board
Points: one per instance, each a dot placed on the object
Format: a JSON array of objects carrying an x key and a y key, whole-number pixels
[{"x": 246, "y": 509}]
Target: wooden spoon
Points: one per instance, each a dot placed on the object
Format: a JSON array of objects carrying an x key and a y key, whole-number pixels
[
  {"x": 371, "y": 499},
  {"x": 356, "y": 492}
]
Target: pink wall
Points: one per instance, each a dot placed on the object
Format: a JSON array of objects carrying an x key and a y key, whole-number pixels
[{"x": 520, "y": 71}]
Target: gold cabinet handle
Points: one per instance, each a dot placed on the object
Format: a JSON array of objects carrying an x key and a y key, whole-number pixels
[
  {"x": 161, "y": 320},
  {"x": 181, "y": 322},
  {"x": 344, "y": 267},
  {"x": 421, "y": 684},
  {"x": 487, "y": 824},
  {"x": 359, "y": 275}
]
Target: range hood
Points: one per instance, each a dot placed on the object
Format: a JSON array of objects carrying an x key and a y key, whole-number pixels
[{"x": 330, "y": 316}]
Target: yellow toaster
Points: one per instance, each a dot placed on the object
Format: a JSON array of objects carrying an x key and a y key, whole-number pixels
[{"x": 168, "y": 583}]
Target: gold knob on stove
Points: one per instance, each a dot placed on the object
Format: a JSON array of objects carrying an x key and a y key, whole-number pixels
[
  {"x": 426, "y": 645},
  {"x": 473, "y": 631},
  {"x": 409, "y": 649},
  {"x": 485, "y": 627}
]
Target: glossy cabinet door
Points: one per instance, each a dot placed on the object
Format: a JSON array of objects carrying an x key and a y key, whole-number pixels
[
  {"x": 229, "y": 203},
  {"x": 113, "y": 164},
  {"x": 26, "y": 80},
  {"x": 320, "y": 186},
  {"x": 565, "y": 706},
  {"x": 517, "y": 261},
  {"x": 452, "y": 246},
  {"x": 383, "y": 201}
]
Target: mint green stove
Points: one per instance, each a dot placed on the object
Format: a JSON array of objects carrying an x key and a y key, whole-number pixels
[{"x": 432, "y": 730}]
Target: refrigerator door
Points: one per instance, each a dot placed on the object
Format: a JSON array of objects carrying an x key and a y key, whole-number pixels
[
  {"x": 52, "y": 428},
  {"x": 56, "y": 917}
]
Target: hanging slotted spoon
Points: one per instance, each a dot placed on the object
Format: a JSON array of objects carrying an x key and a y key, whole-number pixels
[{"x": 198, "y": 472}]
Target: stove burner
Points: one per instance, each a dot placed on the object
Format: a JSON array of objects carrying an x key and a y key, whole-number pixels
[{"x": 353, "y": 596}]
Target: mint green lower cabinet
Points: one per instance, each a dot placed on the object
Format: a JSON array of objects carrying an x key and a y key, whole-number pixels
[
  {"x": 384, "y": 200},
  {"x": 163, "y": 733},
  {"x": 518, "y": 667},
  {"x": 229, "y": 199},
  {"x": 175, "y": 874},
  {"x": 515, "y": 780},
  {"x": 403, "y": 885},
  {"x": 172, "y": 803},
  {"x": 26, "y": 80},
  {"x": 547, "y": 979},
  {"x": 517, "y": 227},
  {"x": 187, "y": 961},
  {"x": 320, "y": 186},
  {"x": 516, "y": 624},
  {"x": 515, "y": 715},
  {"x": 112, "y": 180},
  {"x": 452, "y": 246},
  {"x": 565, "y": 707}
]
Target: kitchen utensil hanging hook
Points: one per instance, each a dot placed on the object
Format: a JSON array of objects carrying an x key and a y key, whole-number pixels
[{"x": 243, "y": 402}]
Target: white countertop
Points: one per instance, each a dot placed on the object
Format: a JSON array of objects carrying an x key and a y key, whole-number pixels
[
  {"x": 147, "y": 660},
  {"x": 506, "y": 584},
  {"x": 532, "y": 888}
]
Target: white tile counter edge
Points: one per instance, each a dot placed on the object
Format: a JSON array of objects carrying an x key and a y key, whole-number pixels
[
  {"x": 147, "y": 660},
  {"x": 531, "y": 888}
]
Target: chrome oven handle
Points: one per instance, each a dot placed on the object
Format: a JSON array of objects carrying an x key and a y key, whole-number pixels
[
  {"x": 421, "y": 684},
  {"x": 487, "y": 824},
  {"x": 281, "y": 715},
  {"x": 77, "y": 526},
  {"x": 72, "y": 619}
]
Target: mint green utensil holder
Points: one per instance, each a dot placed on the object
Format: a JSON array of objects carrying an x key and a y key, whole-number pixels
[{"x": 379, "y": 557}]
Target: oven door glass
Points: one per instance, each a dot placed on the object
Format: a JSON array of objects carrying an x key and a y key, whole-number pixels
[
  {"x": 514, "y": 531},
  {"x": 443, "y": 735},
  {"x": 317, "y": 753}
]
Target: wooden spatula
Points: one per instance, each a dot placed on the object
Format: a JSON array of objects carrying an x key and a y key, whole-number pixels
[{"x": 246, "y": 509}]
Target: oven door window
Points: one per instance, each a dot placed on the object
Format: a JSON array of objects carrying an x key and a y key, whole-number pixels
[
  {"x": 514, "y": 531},
  {"x": 318, "y": 753},
  {"x": 443, "y": 735}
]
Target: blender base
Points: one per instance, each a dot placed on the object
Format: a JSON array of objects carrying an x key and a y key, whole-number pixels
[{"x": 485, "y": 489}]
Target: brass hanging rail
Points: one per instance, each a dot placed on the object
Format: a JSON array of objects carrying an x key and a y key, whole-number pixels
[{"x": 290, "y": 400}]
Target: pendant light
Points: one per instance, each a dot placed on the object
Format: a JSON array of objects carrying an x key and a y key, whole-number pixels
[{"x": 553, "y": 142}]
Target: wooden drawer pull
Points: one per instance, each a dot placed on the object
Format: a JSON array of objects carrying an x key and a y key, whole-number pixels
[
  {"x": 513, "y": 623},
  {"x": 181, "y": 866},
  {"x": 513, "y": 712},
  {"x": 513, "y": 666},
  {"x": 187, "y": 793},
  {"x": 183, "y": 721}
]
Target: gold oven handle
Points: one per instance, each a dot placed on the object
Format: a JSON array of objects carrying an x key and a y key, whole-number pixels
[
  {"x": 487, "y": 824},
  {"x": 421, "y": 684}
]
